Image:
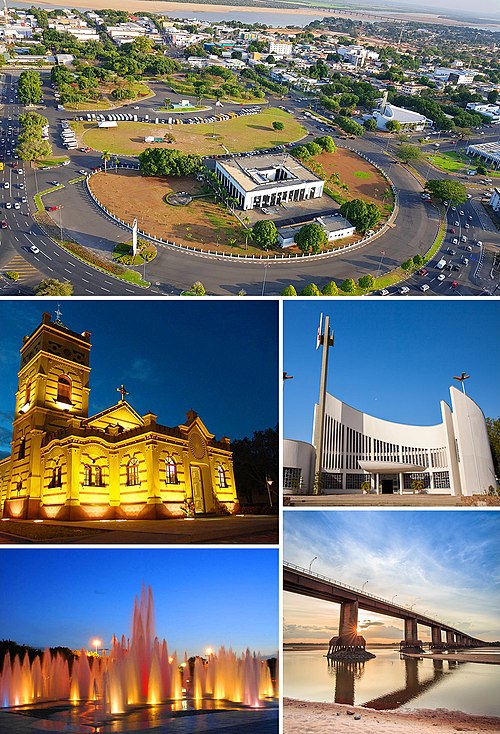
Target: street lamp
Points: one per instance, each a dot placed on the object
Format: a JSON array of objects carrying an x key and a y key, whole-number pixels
[
  {"x": 96, "y": 643},
  {"x": 392, "y": 600},
  {"x": 362, "y": 588},
  {"x": 269, "y": 484},
  {"x": 314, "y": 559}
]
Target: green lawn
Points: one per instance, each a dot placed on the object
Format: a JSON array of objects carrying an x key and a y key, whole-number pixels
[
  {"x": 449, "y": 162},
  {"x": 362, "y": 174},
  {"x": 238, "y": 134},
  {"x": 51, "y": 161},
  {"x": 98, "y": 104}
]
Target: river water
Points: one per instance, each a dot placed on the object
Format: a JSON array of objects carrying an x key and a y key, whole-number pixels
[{"x": 390, "y": 682}]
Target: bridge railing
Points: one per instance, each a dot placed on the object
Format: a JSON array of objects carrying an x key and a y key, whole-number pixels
[{"x": 294, "y": 567}]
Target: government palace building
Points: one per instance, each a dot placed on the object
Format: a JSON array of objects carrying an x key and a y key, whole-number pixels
[{"x": 68, "y": 465}]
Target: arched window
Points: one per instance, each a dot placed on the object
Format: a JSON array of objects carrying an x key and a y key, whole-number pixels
[
  {"x": 27, "y": 392},
  {"x": 222, "y": 476},
  {"x": 22, "y": 448},
  {"x": 133, "y": 472},
  {"x": 64, "y": 390},
  {"x": 98, "y": 476},
  {"x": 170, "y": 471},
  {"x": 92, "y": 476}
]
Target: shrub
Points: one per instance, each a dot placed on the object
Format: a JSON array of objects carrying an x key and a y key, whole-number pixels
[
  {"x": 310, "y": 290},
  {"x": 348, "y": 286},
  {"x": 12, "y": 275},
  {"x": 330, "y": 289},
  {"x": 289, "y": 290}
]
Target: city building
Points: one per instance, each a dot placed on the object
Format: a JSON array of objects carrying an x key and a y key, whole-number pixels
[
  {"x": 356, "y": 55},
  {"x": 488, "y": 110},
  {"x": 495, "y": 200},
  {"x": 278, "y": 48},
  {"x": 66, "y": 464},
  {"x": 454, "y": 76},
  {"x": 487, "y": 152},
  {"x": 267, "y": 180},
  {"x": 353, "y": 452}
]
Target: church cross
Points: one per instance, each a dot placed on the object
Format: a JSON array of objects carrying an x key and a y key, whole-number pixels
[
  {"x": 122, "y": 392},
  {"x": 58, "y": 313}
]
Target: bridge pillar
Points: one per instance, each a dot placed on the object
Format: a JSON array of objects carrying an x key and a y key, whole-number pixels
[
  {"x": 411, "y": 641},
  {"x": 436, "y": 642},
  {"x": 450, "y": 638},
  {"x": 348, "y": 645}
]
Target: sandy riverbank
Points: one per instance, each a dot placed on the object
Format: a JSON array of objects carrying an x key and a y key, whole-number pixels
[
  {"x": 460, "y": 657},
  {"x": 304, "y": 717},
  {"x": 158, "y": 6}
]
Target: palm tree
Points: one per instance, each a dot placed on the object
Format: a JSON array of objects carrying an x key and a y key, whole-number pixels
[
  {"x": 105, "y": 156},
  {"x": 117, "y": 163}
]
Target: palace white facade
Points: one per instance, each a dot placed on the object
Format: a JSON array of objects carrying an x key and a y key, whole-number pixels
[
  {"x": 267, "y": 180},
  {"x": 361, "y": 451}
]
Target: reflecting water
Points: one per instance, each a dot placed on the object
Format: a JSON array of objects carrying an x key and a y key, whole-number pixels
[{"x": 389, "y": 681}]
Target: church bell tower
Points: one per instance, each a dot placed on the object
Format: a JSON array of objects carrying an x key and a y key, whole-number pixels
[{"x": 53, "y": 386}]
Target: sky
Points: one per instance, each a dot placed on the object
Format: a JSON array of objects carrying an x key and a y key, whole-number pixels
[
  {"x": 444, "y": 563},
  {"x": 203, "y": 597},
  {"x": 393, "y": 358},
  {"x": 483, "y": 6},
  {"x": 219, "y": 358}
]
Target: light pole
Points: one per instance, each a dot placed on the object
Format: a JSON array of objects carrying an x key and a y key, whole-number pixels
[
  {"x": 60, "y": 222},
  {"x": 264, "y": 280},
  {"x": 363, "y": 587},
  {"x": 380, "y": 263},
  {"x": 392, "y": 600},
  {"x": 314, "y": 559},
  {"x": 269, "y": 483},
  {"x": 96, "y": 643}
]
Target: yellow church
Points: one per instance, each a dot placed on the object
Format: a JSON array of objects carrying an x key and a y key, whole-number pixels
[{"x": 67, "y": 465}]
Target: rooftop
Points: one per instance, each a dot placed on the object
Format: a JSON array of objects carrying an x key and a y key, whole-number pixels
[{"x": 259, "y": 172}]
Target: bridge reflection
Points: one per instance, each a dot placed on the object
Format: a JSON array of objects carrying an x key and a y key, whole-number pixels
[{"x": 346, "y": 674}]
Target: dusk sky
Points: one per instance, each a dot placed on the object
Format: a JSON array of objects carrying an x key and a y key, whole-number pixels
[
  {"x": 218, "y": 357},
  {"x": 393, "y": 358},
  {"x": 445, "y": 563},
  {"x": 203, "y": 597}
]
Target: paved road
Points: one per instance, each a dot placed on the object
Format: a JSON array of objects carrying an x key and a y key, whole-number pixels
[{"x": 173, "y": 270}]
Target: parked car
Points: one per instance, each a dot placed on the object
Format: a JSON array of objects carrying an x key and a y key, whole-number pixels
[
  {"x": 422, "y": 271},
  {"x": 424, "y": 287},
  {"x": 4, "y": 224},
  {"x": 404, "y": 289}
]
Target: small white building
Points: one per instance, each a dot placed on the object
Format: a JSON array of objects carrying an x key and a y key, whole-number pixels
[
  {"x": 488, "y": 110},
  {"x": 267, "y": 180},
  {"x": 335, "y": 228},
  {"x": 356, "y": 55}
]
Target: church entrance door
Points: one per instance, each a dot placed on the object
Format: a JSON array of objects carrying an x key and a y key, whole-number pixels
[{"x": 197, "y": 485}]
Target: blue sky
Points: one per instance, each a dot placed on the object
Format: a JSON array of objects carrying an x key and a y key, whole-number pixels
[
  {"x": 446, "y": 563},
  {"x": 203, "y": 597},
  {"x": 393, "y": 358},
  {"x": 218, "y": 357}
]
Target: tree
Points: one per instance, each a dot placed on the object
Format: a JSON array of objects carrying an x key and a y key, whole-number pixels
[
  {"x": 493, "y": 428},
  {"x": 482, "y": 170},
  {"x": 393, "y": 126},
  {"x": 370, "y": 124},
  {"x": 492, "y": 96},
  {"x": 314, "y": 148},
  {"x": 53, "y": 287},
  {"x": 447, "y": 190},
  {"x": 366, "y": 282},
  {"x": 198, "y": 288},
  {"x": 289, "y": 290},
  {"x": 310, "y": 290},
  {"x": 30, "y": 87},
  {"x": 330, "y": 289},
  {"x": 301, "y": 152},
  {"x": 264, "y": 234},
  {"x": 349, "y": 126},
  {"x": 255, "y": 462},
  {"x": 407, "y": 153},
  {"x": 142, "y": 45},
  {"x": 105, "y": 155},
  {"x": 33, "y": 149},
  {"x": 326, "y": 143},
  {"x": 311, "y": 238},
  {"x": 348, "y": 286},
  {"x": 362, "y": 215},
  {"x": 168, "y": 162},
  {"x": 277, "y": 125},
  {"x": 418, "y": 261}
]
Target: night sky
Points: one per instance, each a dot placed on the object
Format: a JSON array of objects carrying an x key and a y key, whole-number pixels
[
  {"x": 219, "y": 358},
  {"x": 393, "y": 358},
  {"x": 203, "y": 597}
]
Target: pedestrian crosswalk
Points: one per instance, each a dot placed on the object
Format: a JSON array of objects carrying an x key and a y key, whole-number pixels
[{"x": 18, "y": 264}]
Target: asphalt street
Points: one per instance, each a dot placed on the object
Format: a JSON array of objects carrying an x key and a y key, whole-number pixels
[{"x": 173, "y": 270}]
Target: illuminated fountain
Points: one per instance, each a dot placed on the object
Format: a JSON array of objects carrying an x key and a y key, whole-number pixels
[{"x": 137, "y": 673}]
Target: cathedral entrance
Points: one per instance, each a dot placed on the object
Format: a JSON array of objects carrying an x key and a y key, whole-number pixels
[{"x": 197, "y": 485}]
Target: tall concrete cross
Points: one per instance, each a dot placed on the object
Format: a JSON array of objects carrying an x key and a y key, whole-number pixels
[{"x": 325, "y": 340}]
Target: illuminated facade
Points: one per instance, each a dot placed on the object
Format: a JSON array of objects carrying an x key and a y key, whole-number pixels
[{"x": 68, "y": 465}]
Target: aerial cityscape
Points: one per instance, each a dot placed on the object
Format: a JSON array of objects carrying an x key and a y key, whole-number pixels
[
  {"x": 249, "y": 366},
  {"x": 148, "y": 153}
]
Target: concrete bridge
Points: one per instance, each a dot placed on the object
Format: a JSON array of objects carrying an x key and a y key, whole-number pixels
[{"x": 300, "y": 581}]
